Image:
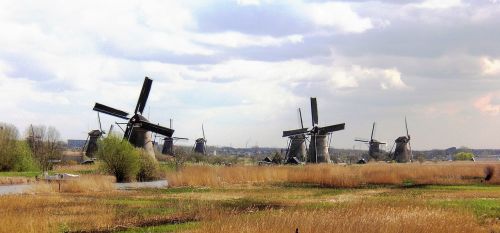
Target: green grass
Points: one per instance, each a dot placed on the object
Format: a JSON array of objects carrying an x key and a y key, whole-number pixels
[
  {"x": 163, "y": 228},
  {"x": 79, "y": 172},
  {"x": 19, "y": 174},
  {"x": 135, "y": 201},
  {"x": 482, "y": 208},
  {"x": 176, "y": 190},
  {"x": 473, "y": 187},
  {"x": 250, "y": 203}
]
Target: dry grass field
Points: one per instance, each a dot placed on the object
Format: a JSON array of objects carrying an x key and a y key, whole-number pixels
[
  {"x": 322, "y": 198},
  {"x": 337, "y": 176}
]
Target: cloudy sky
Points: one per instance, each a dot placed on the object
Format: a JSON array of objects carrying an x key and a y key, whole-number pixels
[{"x": 243, "y": 67}]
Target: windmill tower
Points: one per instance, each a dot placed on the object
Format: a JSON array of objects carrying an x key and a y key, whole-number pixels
[
  {"x": 138, "y": 130},
  {"x": 200, "y": 143},
  {"x": 403, "y": 152},
  {"x": 296, "y": 142},
  {"x": 374, "y": 150}
]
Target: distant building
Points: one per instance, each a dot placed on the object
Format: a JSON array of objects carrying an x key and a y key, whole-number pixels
[{"x": 76, "y": 144}]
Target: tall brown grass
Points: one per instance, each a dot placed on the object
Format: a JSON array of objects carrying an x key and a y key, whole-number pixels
[
  {"x": 84, "y": 184},
  {"x": 362, "y": 216},
  {"x": 335, "y": 175},
  {"x": 51, "y": 213},
  {"x": 15, "y": 180}
]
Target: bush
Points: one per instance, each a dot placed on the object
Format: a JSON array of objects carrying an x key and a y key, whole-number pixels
[
  {"x": 463, "y": 156},
  {"x": 119, "y": 158},
  {"x": 23, "y": 158},
  {"x": 149, "y": 167},
  {"x": 15, "y": 155}
]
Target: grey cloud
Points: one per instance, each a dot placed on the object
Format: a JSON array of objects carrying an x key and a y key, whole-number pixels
[
  {"x": 275, "y": 19},
  {"x": 157, "y": 55},
  {"x": 24, "y": 66}
]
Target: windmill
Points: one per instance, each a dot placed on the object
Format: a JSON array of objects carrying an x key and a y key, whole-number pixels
[
  {"x": 373, "y": 145},
  {"x": 296, "y": 150},
  {"x": 402, "y": 152},
  {"x": 318, "y": 143},
  {"x": 138, "y": 129},
  {"x": 168, "y": 143},
  {"x": 90, "y": 147},
  {"x": 201, "y": 143}
]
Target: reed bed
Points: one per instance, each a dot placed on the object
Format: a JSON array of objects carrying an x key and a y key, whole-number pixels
[
  {"x": 366, "y": 217},
  {"x": 83, "y": 184},
  {"x": 15, "y": 180},
  {"x": 329, "y": 175},
  {"x": 51, "y": 213}
]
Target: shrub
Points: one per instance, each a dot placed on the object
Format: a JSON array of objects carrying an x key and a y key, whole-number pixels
[
  {"x": 149, "y": 167},
  {"x": 15, "y": 155},
  {"x": 119, "y": 158},
  {"x": 23, "y": 158},
  {"x": 463, "y": 156}
]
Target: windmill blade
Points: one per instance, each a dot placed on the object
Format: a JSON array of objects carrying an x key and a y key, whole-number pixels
[
  {"x": 300, "y": 117},
  {"x": 331, "y": 128},
  {"x": 143, "y": 97},
  {"x": 100, "y": 126},
  {"x": 178, "y": 138},
  {"x": 361, "y": 140},
  {"x": 203, "y": 130},
  {"x": 373, "y": 129},
  {"x": 110, "y": 111},
  {"x": 411, "y": 151},
  {"x": 118, "y": 124},
  {"x": 406, "y": 125},
  {"x": 156, "y": 128},
  {"x": 314, "y": 111},
  {"x": 289, "y": 133}
]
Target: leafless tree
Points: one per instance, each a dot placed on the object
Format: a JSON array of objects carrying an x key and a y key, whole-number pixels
[{"x": 45, "y": 144}]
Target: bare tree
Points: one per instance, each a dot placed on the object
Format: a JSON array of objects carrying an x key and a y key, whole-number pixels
[
  {"x": 45, "y": 144},
  {"x": 181, "y": 157}
]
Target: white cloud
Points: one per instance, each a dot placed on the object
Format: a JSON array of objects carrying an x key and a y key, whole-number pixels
[
  {"x": 440, "y": 4},
  {"x": 338, "y": 15},
  {"x": 490, "y": 66},
  {"x": 485, "y": 104},
  {"x": 237, "y": 40},
  {"x": 248, "y": 2},
  {"x": 355, "y": 76}
]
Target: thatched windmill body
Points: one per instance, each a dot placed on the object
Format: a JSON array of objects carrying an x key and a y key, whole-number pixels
[
  {"x": 403, "y": 152},
  {"x": 201, "y": 143},
  {"x": 90, "y": 147},
  {"x": 296, "y": 150},
  {"x": 138, "y": 129}
]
